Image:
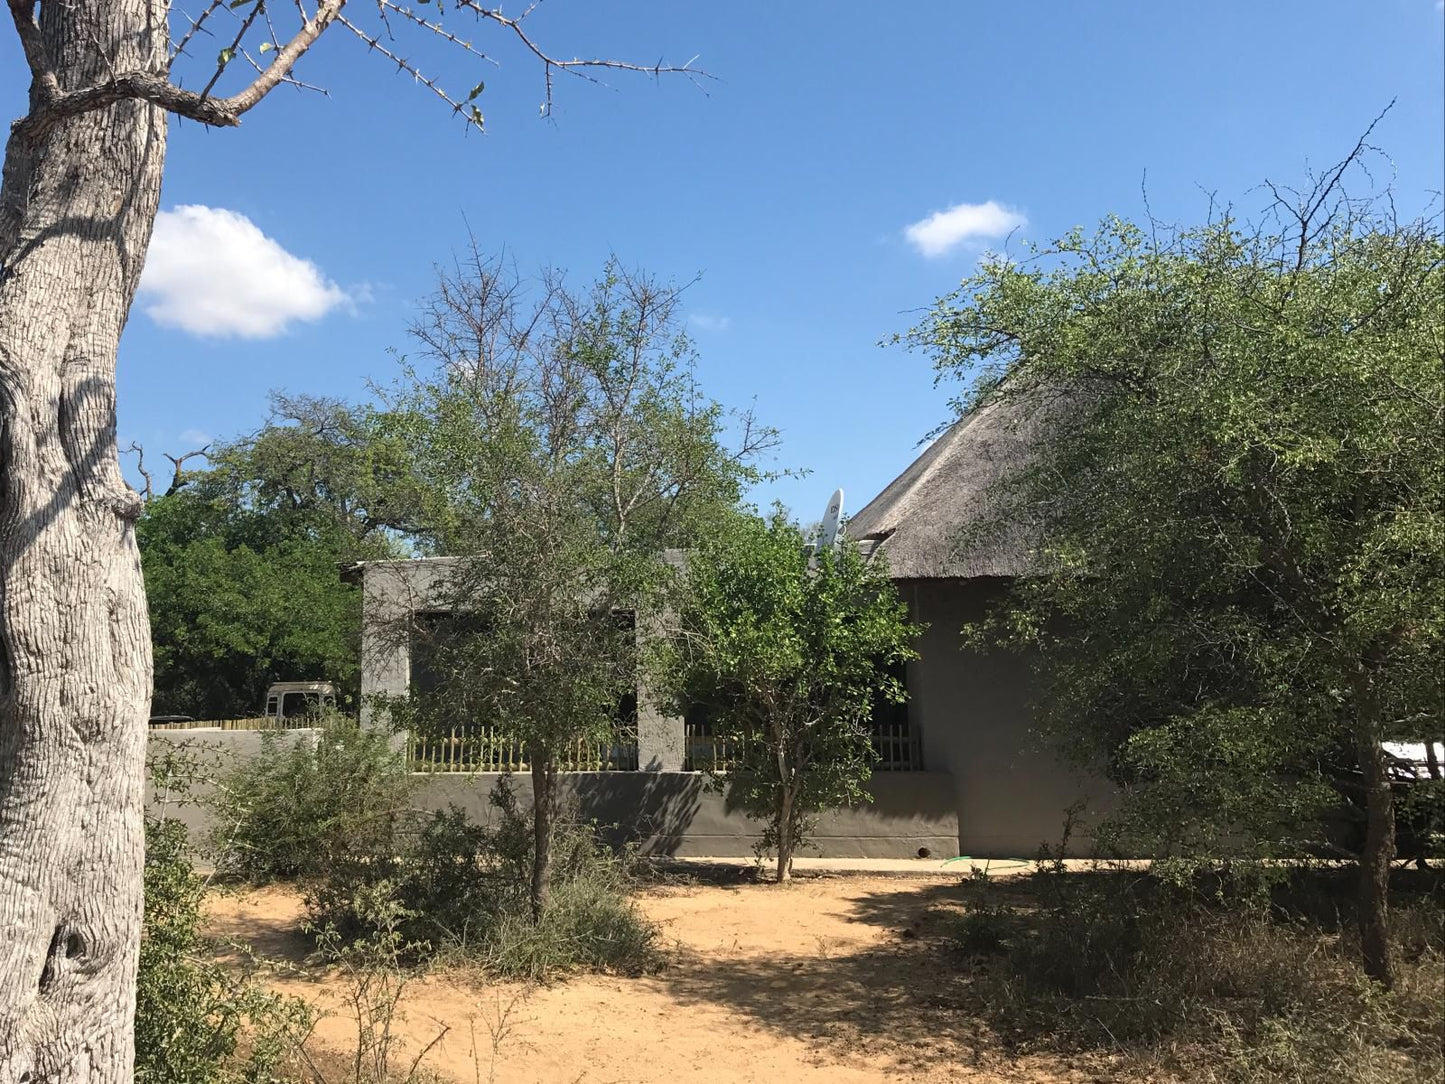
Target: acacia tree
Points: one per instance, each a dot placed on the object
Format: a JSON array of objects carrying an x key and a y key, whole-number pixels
[
  {"x": 1242, "y": 542},
  {"x": 320, "y": 462},
  {"x": 78, "y": 196},
  {"x": 787, "y": 653},
  {"x": 566, "y": 448}
]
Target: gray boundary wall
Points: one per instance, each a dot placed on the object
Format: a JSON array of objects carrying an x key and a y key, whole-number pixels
[{"x": 662, "y": 813}]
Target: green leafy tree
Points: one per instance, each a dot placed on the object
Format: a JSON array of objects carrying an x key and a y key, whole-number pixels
[
  {"x": 241, "y": 597},
  {"x": 1237, "y": 494},
  {"x": 787, "y": 653},
  {"x": 317, "y": 464},
  {"x": 565, "y": 447},
  {"x": 242, "y": 559}
]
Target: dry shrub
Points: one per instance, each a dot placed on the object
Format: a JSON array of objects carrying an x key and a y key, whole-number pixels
[
  {"x": 338, "y": 816},
  {"x": 1223, "y": 989},
  {"x": 461, "y": 891}
]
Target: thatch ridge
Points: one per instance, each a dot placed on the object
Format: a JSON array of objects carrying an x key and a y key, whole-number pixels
[{"x": 933, "y": 520}]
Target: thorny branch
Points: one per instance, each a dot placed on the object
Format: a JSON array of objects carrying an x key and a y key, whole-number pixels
[
  {"x": 577, "y": 65},
  {"x": 54, "y": 104},
  {"x": 156, "y": 88},
  {"x": 197, "y": 26},
  {"x": 256, "y": 9},
  {"x": 374, "y": 42}
]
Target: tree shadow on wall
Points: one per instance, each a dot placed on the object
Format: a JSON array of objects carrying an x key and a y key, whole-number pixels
[{"x": 650, "y": 809}]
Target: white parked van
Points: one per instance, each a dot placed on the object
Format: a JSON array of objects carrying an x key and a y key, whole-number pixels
[{"x": 291, "y": 704}]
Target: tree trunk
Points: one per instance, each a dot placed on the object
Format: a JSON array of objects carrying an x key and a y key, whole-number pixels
[
  {"x": 76, "y": 208},
  {"x": 1373, "y": 902},
  {"x": 785, "y": 833},
  {"x": 544, "y": 807}
]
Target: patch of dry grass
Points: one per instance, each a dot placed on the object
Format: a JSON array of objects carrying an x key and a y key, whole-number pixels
[{"x": 1209, "y": 992}]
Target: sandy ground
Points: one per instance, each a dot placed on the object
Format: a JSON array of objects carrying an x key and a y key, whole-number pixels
[{"x": 840, "y": 979}]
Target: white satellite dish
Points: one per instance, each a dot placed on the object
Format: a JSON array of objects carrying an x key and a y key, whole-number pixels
[{"x": 828, "y": 536}]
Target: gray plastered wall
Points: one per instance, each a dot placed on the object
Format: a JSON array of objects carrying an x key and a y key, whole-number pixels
[
  {"x": 973, "y": 713},
  {"x": 661, "y": 813}
]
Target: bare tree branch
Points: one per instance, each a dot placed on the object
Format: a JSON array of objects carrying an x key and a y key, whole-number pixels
[
  {"x": 55, "y": 105},
  {"x": 227, "y": 54},
  {"x": 155, "y": 88},
  {"x": 197, "y": 26},
  {"x": 577, "y": 65},
  {"x": 373, "y": 42},
  {"x": 132, "y": 86},
  {"x": 436, "y": 28},
  {"x": 1306, "y": 212},
  {"x": 286, "y": 57},
  {"x": 22, "y": 11},
  {"x": 148, "y": 491},
  {"x": 178, "y": 462}
]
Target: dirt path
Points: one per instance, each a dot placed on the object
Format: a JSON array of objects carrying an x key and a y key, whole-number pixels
[{"x": 839, "y": 979}]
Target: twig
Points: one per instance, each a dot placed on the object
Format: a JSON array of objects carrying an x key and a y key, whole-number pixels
[
  {"x": 474, "y": 117},
  {"x": 197, "y": 25}
]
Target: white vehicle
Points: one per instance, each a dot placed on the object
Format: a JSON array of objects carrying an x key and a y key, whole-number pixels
[{"x": 292, "y": 703}]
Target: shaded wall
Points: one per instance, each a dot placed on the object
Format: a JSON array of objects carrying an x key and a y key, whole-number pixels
[
  {"x": 664, "y": 813},
  {"x": 972, "y": 713},
  {"x": 675, "y": 813}
]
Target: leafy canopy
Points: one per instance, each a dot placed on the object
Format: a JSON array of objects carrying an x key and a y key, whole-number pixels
[
  {"x": 787, "y": 654},
  {"x": 564, "y": 447},
  {"x": 1241, "y": 542}
]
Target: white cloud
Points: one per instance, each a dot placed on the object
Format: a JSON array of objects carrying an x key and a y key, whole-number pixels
[
  {"x": 706, "y": 322},
  {"x": 211, "y": 272},
  {"x": 943, "y": 231},
  {"x": 197, "y": 437}
]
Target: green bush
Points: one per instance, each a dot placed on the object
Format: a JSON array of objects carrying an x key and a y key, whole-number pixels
[
  {"x": 589, "y": 923},
  {"x": 197, "y": 1022},
  {"x": 988, "y": 923},
  {"x": 467, "y": 891},
  {"x": 310, "y": 806},
  {"x": 339, "y": 818},
  {"x": 590, "y": 920}
]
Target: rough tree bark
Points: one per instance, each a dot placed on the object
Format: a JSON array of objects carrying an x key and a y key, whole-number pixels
[
  {"x": 76, "y": 208},
  {"x": 1373, "y": 899},
  {"x": 544, "y": 806},
  {"x": 785, "y": 833}
]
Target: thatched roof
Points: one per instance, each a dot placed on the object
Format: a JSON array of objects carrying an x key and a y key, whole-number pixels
[{"x": 921, "y": 519}]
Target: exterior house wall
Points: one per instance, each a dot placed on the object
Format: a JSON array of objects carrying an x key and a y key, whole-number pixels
[
  {"x": 972, "y": 714},
  {"x": 1003, "y": 791},
  {"x": 660, "y": 807},
  {"x": 391, "y": 590},
  {"x": 991, "y": 787}
]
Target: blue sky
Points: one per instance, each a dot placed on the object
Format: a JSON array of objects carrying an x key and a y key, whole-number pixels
[{"x": 788, "y": 183}]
